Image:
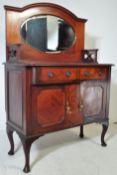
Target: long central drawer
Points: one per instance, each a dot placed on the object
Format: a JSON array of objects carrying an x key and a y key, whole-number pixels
[
  {"x": 61, "y": 75},
  {"x": 54, "y": 75}
]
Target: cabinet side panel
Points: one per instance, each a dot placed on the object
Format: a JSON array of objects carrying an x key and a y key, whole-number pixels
[{"x": 15, "y": 98}]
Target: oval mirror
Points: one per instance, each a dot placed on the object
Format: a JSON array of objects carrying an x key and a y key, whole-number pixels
[{"x": 47, "y": 33}]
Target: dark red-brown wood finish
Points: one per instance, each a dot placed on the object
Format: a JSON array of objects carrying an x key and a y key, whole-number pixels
[{"x": 47, "y": 92}]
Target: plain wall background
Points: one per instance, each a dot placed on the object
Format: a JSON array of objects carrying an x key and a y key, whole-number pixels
[{"x": 101, "y": 33}]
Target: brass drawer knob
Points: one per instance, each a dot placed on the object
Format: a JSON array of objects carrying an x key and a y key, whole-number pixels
[
  {"x": 101, "y": 73},
  {"x": 68, "y": 74},
  {"x": 87, "y": 74},
  {"x": 50, "y": 74}
]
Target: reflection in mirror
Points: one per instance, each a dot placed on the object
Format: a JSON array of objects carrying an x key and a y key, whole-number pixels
[{"x": 48, "y": 33}]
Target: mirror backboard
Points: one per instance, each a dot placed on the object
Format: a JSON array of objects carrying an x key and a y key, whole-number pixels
[{"x": 46, "y": 33}]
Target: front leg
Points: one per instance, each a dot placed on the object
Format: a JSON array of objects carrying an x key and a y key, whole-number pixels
[
  {"x": 104, "y": 130},
  {"x": 81, "y": 132},
  {"x": 27, "y": 142},
  {"x": 10, "y": 137}
]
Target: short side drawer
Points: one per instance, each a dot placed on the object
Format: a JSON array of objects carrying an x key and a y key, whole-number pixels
[{"x": 93, "y": 73}]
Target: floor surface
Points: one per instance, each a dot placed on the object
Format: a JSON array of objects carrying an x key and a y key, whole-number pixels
[{"x": 64, "y": 153}]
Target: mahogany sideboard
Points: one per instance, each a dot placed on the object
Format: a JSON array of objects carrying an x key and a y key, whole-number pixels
[{"x": 52, "y": 83}]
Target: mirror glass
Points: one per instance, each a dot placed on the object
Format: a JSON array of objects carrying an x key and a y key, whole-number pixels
[{"x": 48, "y": 33}]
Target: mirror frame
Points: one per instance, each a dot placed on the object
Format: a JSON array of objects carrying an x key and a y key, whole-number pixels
[
  {"x": 48, "y": 51},
  {"x": 16, "y": 16}
]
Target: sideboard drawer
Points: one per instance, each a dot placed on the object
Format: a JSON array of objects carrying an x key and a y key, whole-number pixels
[
  {"x": 93, "y": 73},
  {"x": 54, "y": 75}
]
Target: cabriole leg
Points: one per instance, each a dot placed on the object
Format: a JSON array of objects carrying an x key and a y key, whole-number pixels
[
  {"x": 27, "y": 142},
  {"x": 104, "y": 130},
  {"x": 81, "y": 131},
  {"x": 10, "y": 137}
]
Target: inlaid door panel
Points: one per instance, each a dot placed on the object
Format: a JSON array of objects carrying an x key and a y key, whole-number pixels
[
  {"x": 93, "y": 99},
  {"x": 48, "y": 106}
]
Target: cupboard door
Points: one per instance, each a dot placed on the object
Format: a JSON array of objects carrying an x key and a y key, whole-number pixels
[
  {"x": 72, "y": 104},
  {"x": 93, "y": 100},
  {"x": 48, "y": 106}
]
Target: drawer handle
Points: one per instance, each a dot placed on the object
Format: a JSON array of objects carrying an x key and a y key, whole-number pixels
[
  {"x": 87, "y": 74},
  {"x": 68, "y": 74},
  {"x": 101, "y": 73},
  {"x": 50, "y": 74}
]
